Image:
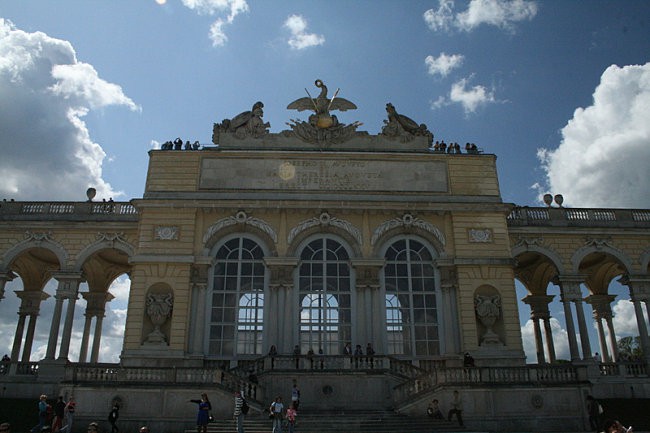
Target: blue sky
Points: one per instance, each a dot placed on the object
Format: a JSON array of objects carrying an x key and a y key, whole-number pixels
[{"x": 558, "y": 90}]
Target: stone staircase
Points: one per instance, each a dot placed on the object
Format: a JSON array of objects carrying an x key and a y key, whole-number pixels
[{"x": 342, "y": 422}]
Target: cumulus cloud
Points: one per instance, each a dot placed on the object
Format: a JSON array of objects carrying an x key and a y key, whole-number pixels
[
  {"x": 300, "y": 39},
  {"x": 46, "y": 92},
  {"x": 442, "y": 18},
  {"x": 624, "y": 320},
  {"x": 214, "y": 7},
  {"x": 602, "y": 159},
  {"x": 443, "y": 64},
  {"x": 469, "y": 98},
  {"x": 560, "y": 341},
  {"x": 498, "y": 13}
]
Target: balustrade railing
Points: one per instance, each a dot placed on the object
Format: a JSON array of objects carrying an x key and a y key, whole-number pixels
[
  {"x": 65, "y": 209},
  {"x": 464, "y": 376},
  {"x": 114, "y": 373},
  {"x": 578, "y": 217}
]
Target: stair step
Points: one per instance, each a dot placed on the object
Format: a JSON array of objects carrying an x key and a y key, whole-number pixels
[{"x": 335, "y": 421}]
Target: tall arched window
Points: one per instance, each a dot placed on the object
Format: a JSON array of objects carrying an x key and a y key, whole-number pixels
[
  {"x": 324, "y": 290},
  {"x": 237, "y": 309},
  {"x": 411, "y": 304}
]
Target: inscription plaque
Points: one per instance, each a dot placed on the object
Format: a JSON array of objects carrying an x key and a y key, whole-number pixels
[{"x": 329, "y": 175}]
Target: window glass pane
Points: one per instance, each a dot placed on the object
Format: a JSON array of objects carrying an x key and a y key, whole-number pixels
[
  {"x": 324, "y": 272},
  {"x": 238, "y": 293},
  {"x": 409, "y": 274}
]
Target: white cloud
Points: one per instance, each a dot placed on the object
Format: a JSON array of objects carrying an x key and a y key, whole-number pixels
[
  {"x": 499, "y": 13},
  {"x": 443, "y": 64},
  {"x": 213, "y": 7},
  {"x": 560, "y": 341},
  {"x": 602, "y": 160},
  {"x": 470, "y": 98},
  {"x": 625, "y": 324},
  {"x": 442, "y": 18},
  {"x": 300, "y": 39},
  {"x": 46, "y": 92}
]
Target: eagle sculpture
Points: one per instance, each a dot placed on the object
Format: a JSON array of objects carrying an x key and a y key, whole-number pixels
[{"x": 321, "y": 105}]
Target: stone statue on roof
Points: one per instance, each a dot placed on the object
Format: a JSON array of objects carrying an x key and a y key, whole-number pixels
[
  {"x": 402, "y": 127},
  {"x": 322, "y": 127},
  {"x": 246, "y": 124}
]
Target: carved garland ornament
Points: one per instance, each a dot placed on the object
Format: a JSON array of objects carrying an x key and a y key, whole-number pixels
[
  {"x": 407, "y": 220},
  {"x": 167, "y": 233},
  {"x": 240, "y": 218},
  {"x": 325, "y": 220},
  {"x": 480, "y": 235}
]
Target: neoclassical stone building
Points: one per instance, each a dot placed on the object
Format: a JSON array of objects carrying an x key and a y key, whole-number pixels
[{"x": 312, "y": 239}]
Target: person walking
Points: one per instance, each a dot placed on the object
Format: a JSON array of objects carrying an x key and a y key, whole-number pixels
[
  {"x": 113, "y": 415},
  {"x": 276, "y": 410},
  {"x": 594, "y": 410},
  {"x": 59, "y": 413},
  {"x": 292, "y": 413},
  {"x": 239, "y": 413},
  {"x": 70, "y": 407},
  {"x": 203, "y": 415},
  {"x": 456, "y": 408},
  {"x": 42, "y": 414},
  {"x": 295, "y": 396}
]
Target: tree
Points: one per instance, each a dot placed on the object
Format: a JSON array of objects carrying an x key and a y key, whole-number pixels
[{"x": 629, "y": 348}]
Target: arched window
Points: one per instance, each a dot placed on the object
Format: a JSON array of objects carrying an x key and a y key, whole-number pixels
[
  {"x": 237, "y": 309},
  {"x": 411, "y": 304},
  {"x": 324, "y": 290}
]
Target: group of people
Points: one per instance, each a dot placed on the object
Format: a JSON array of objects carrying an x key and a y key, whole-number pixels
[
  {"x": 278, "y": 414},
  {"x": 55, "y": 418},
  {"x": 456, "y": 409}
]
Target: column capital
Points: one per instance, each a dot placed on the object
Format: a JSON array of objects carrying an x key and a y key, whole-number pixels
[
  {"x": 570, "y": 286},
  {"x": 31, "y": 301},
  {"x": 281, "y": 270},
  {"x": 199, "y": 275},
  {"x": 601, "y": 305},
  {"x": 4, "y": 277},
  {"x": 367, "y": 272},
  {"x": 96, "y": 302},
  {"x": 68, "y": 287},
  {"x": 639, "y": 286},
  {"x": 538, "y": 305}
]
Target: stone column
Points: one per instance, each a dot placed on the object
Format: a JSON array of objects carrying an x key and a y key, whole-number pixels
[
  {"x": 569, "y": 290},
  {"x": 612, "y": 338},
  {"x": 54, "y": 327},
  {"x": 584, "y": 333},
  {"x": 601, "y": 305},
  {"x": 199, "y": 284},
  {"x": 67, "y": 289},
  {"x": 639, "y": 287},
  {"x": 367, "y": 281},
  {"x": 4, "y": 277},
  {"x": 449, "y": 291},
  {"x": 96, "y": 307},
  {"x": 281, "y": 270},
  {"x": 539, "y": 311},
  {"x": 29, "y": 307},
  {"x": 549, "y": 339},
  {"x": 83, "y": 352},
  {"x": 18, "y": 337}
]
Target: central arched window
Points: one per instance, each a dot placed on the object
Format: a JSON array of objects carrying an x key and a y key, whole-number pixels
[
  {"x": 324, "y": 291},
  {"x": 237, "y": 308},
  {"x": 411, "y": 304}
]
